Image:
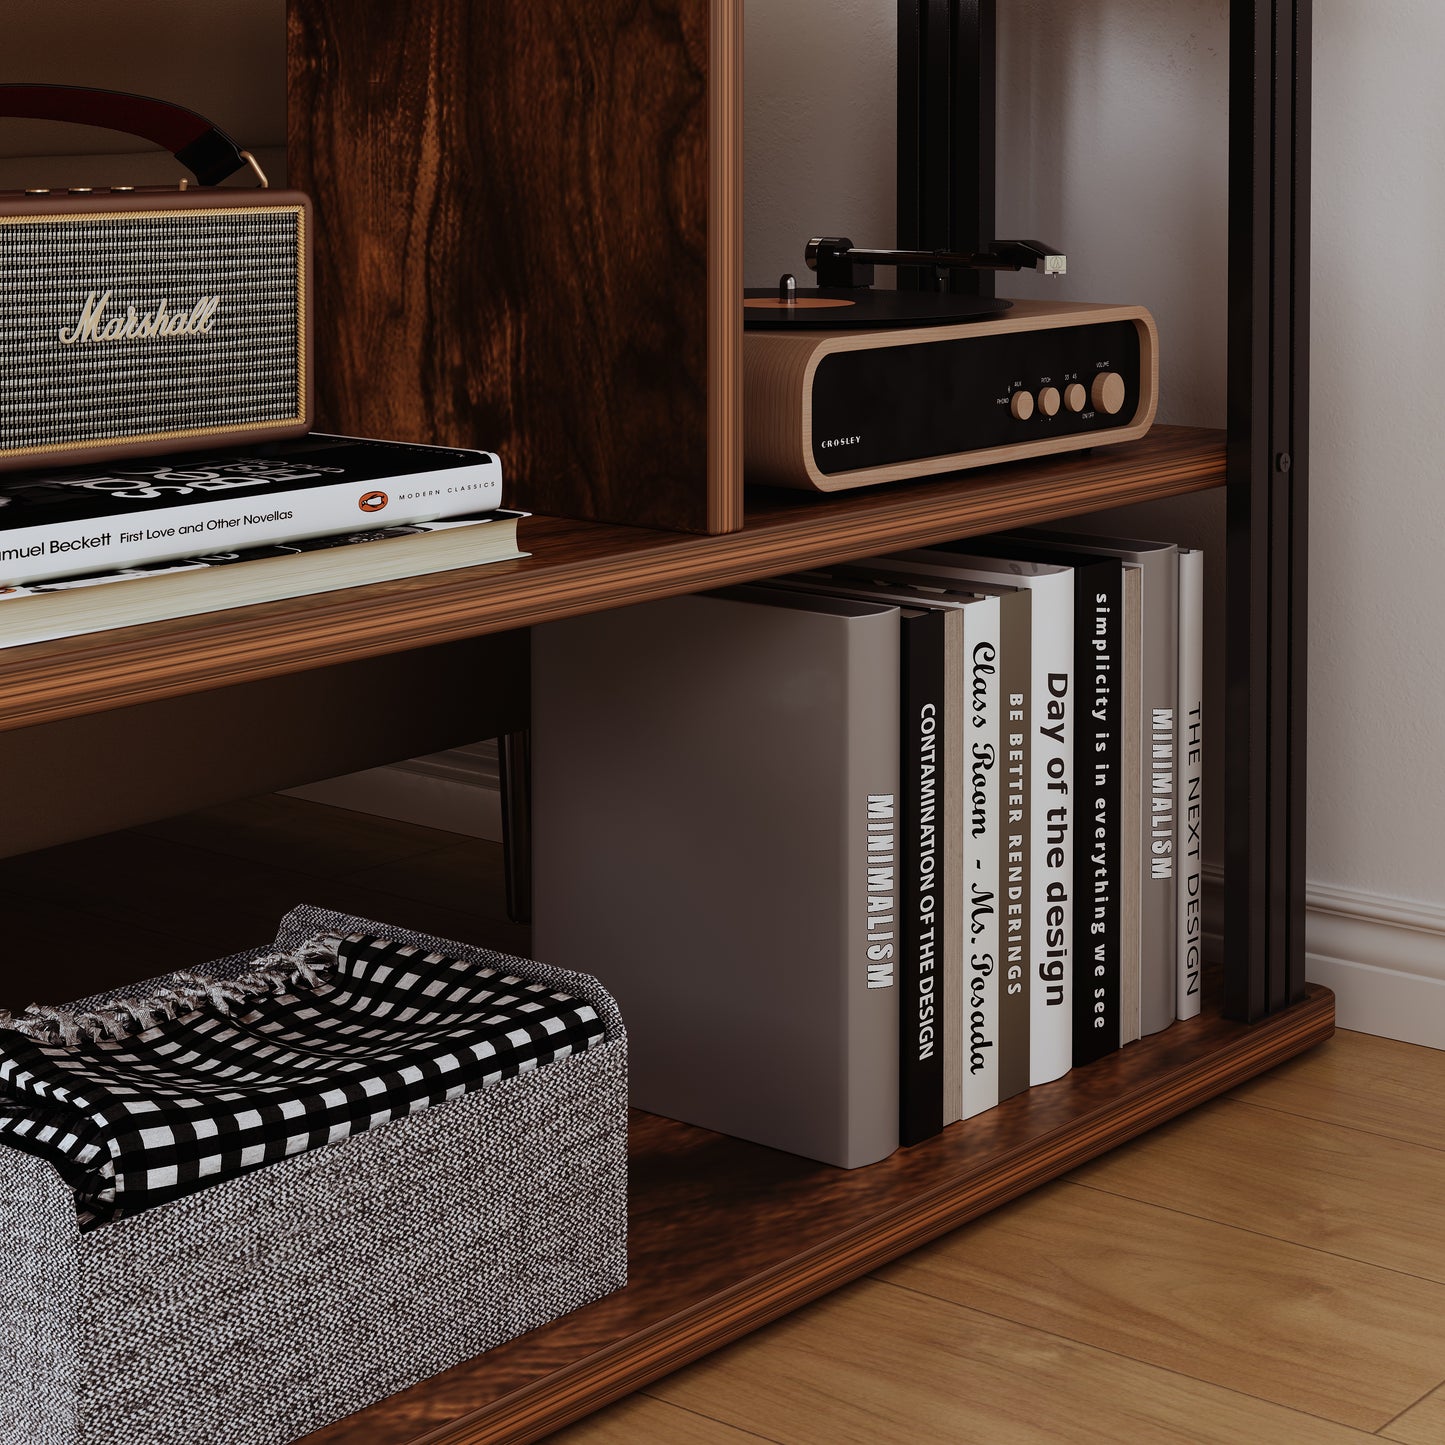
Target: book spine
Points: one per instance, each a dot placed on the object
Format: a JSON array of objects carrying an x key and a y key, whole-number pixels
[
  {"x": 1015, "y": 853},
  {"x": 955, "y": 1034},
  {"x": 983, "y": 767},
  {"x": 100, "y": 544},
  {"x": 1098, "y": 854},
  {"x": 922, "y": 999},
  {"x": 1158, "y": 935},
  {"x": 1051, "y": 886},
  {"x": 870, "y": 1113},
  {"x": 1131, "y": 778},
  {"x": 1190, "y": 849}
]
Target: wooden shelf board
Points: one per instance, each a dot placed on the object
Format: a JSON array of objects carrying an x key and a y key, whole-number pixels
[
  {"x": 582, "y": 567},
  {"x": 727, "y": 1236}
]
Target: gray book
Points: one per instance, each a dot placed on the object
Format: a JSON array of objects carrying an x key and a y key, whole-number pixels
[
  {"x": 1132, "y": 758},
  {"x": 1158, "y": 563},
  {"x": 715, "y": 816},
  {"x": 948, "y": 813}
]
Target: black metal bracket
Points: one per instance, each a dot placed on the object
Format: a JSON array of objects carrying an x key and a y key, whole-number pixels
[{"x": 514, "y": 753}]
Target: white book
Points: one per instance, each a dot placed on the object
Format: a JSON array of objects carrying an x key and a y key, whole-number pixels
[
  {"x": 1051, "y": 809},
  {"x": 1190, "y": 808},
  {"x": 69, "y": 606},
  {"x": 983, "y": 705},
  {"x": 80, "y": 520}
]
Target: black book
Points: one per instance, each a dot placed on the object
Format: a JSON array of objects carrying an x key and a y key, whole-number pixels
[
  {"x": 922, "y": 1001},
  {"x": 1098, "y": 784},
  {"x": 1016, "y": 688}
]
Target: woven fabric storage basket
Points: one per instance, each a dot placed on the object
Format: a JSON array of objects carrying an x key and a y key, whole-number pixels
[{"x": 261, "y": 1308}]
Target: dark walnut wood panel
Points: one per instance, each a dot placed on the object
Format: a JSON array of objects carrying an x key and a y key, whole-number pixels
[
  {"x": 727, "y": 1236},
  {"x": 532, "y": 210},
  {"x": 581, "y": 567}
]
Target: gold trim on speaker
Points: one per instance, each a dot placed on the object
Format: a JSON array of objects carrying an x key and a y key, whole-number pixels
[
  {"x": 140, "y": 439},
  {"x": 31, "y": 217}
]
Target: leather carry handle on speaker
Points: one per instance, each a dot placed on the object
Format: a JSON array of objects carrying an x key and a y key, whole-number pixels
[
  {"x": 141, "y": 320},
  {"x": 201, "y": 146}
]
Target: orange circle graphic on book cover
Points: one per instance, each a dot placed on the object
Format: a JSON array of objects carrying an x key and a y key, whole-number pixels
[{"x": 373, "y": 501}]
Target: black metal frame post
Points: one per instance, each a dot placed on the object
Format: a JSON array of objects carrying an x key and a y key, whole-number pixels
[
  {"x": 947, "y": 80},
  {"x": 946, "y": 158},
  {"x": 1268, "y": 504}
]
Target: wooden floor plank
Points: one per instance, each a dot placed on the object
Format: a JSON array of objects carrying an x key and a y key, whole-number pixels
[
  {"x": 465, "y": 874},
  {"x": 876, "y": 1363},
  {"x": 641, "y": 1420},
  {"x": 1421, "y": 1424},
  {"x": 218, "y": 903},
  {"x": 53, "y": 955},
  {"x": 174, "y": 897},
  {"x": 283, "y": 832},
  {"x": 1350, "y": 1193},
  {"x": 1329, "y": 1336},
  {"x": 1362, "y": 1082}
]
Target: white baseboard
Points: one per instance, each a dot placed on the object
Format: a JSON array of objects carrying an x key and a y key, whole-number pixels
[
  {"x": 458, "y": 791},
  {"x": 1384, "y": 958}
]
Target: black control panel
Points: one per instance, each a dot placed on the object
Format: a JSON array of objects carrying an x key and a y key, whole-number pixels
[{"x": 901, "y": 403}]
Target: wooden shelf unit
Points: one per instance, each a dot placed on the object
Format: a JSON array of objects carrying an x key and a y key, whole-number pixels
[{"x": 727, "y": 1236}]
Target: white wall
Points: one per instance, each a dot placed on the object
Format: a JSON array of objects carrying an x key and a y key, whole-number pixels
[
  {"x": 1377, "y": 692},
  {"x": 225, "y": 59},
  {"x": 1112, "y": 144},
  {"x": 819, "y": 132}
]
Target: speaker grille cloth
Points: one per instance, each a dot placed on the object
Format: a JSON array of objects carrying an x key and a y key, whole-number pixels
[{"x": 243, "y": 372}]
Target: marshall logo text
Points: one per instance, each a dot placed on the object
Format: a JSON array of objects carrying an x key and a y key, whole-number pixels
[{"x": 95, "y": 325}]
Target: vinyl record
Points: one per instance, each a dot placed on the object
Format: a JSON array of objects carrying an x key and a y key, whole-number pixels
[{"x": 843, "y": 310}]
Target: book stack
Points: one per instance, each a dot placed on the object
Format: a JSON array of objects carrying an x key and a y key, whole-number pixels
[
  {"x": 86, "y": 549},
  {"x": 865, "y": 851}
]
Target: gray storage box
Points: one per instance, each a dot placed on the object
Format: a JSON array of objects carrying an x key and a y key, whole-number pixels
[{"x": 259, "y": 1309}]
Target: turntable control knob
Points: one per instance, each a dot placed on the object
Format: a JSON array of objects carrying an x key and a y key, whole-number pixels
[
  {"x": 1075, "y": 397},
  {"x": 1049, "y": 401},
  {"x": 1108, "y": 392},
  {"x": 1021, "y": 404}
]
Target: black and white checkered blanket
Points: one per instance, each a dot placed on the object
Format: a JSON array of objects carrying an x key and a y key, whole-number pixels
[{"x": 151, "y": 1099}]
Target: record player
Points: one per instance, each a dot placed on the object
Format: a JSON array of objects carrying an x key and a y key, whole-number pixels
[{"x": 847, "y": 386}]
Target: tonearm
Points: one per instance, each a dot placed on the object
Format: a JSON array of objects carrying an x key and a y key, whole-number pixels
[{"x": 839, "y": 263}]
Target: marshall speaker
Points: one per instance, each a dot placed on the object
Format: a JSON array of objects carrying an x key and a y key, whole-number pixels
[{"x": 137, "y": 320}]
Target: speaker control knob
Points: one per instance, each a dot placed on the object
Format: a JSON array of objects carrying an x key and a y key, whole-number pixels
[
  {"x": 1021, "y": 405},
  {"x": 1108, "y": 392},
  {"x": 1049, "y": 401},
  {"x": 1075, "y": 397}
]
